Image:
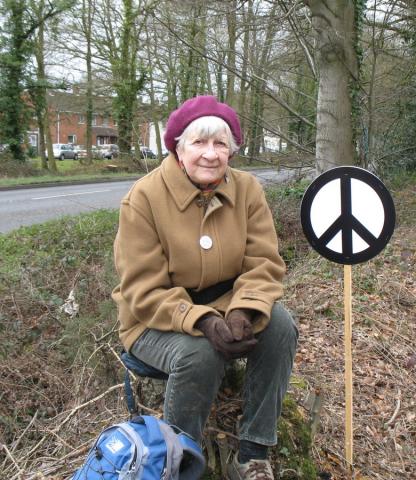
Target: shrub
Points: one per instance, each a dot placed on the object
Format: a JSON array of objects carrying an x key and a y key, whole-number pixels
[{"x": 10, "y": 168}]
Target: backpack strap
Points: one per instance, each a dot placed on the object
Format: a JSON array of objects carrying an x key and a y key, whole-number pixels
[
  {"x": 184, "y": 458},
  {"x": 193, "y": 459},
  {"x": 131, "y": 402},
  {"x": 155, "y": 440},
  {"x": 142, "y": 452},
  {"x": 140, "y": 368},
  {"x": 174, "y": 451}
]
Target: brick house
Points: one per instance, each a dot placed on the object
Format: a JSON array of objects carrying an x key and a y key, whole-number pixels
[{"x": 67, "y": 120}]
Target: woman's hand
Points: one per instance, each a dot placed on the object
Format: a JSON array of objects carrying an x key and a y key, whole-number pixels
[
  {"x": 239, "y": 323},
  {"x": 218, "y": 333}
]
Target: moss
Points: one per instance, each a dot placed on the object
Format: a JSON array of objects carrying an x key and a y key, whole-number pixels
[
  {"x": 211, "y": 476},
  {"x": 234, "y": 375},
  {"x": 298, "y": 382},
  {"x": 294, "y": 444},
  {"x": 291, "y": 457}
]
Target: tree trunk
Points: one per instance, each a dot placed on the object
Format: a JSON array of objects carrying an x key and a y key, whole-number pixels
[
  {"x": 154, "y": 113},
  {"x": 14, "y": 118},
  {"x": 40, "y": 100},
  {"x": 87, "y": 13},
  {"x": 232, "y": 38},
  {"x": 40, "y": 93},
  {"x": 51, "y": 159},
  {"x": 259, "y": 88},
  {"x": 337, "y": 65},
  {"x": 126, "y": 84},
  {"x": 244, "y": 67}
]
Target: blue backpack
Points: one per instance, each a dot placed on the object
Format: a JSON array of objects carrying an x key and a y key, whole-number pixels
[{"x": 143, "y": 448}]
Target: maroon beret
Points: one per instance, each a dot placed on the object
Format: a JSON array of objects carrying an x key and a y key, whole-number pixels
[{"x": 202, "y": 106}]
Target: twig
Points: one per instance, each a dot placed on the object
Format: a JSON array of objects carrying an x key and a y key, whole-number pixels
[
  {"x": 83, "y": 405},
  {"x": 16, "y": 443},
  {"x": 210, "y": 453},
  {"x": 396, "y": 411},
  {"x": 16, "y": 306},
  {"x": 224, "y": 452},
  {"x": 51, "y": 432},
  {"x": 103, "y": 337},
  {"x": 85, "y": 366},
  {"x": 316, "y": 412},
  {"x": 72, "y": 413},
  {"x": 75, "y": 453},
  {"x": 217, "y": 430},
  {"x": 58, "y": 465},
  {"x": 119, "y": 359},
  {"x": 4, "y": 447}
]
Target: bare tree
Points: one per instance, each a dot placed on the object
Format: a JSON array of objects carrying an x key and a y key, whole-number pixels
[
  {"x": 87, "y": 15},
  {"x": 17, "y": 32},
  {"x": 334, "y": 25}
]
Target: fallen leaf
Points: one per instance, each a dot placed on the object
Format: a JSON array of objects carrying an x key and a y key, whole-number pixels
[{"x": 411, "y": 361}]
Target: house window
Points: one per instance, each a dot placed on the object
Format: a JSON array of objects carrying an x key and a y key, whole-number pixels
[
  {"x": 105, "y": 121},
  {"x": 81, "y": 118},
  {"x": 72, "y": 139},
  {"x": 94, "y": 120},
  {"x": 33, "y": 140}
]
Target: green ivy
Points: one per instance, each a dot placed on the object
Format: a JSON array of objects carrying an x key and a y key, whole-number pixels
[{"x": 355, "y": 83}]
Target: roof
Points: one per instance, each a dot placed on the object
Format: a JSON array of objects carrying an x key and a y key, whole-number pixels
[
  {"x": 76, "y": 102},
  {"x": 105, "y": 131}
]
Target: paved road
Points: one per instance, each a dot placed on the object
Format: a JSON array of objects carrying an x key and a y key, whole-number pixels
[{"x": 37, "y": 205}]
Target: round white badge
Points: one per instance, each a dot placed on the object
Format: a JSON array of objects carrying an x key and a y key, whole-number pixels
[{"x": 205, "y": 242}]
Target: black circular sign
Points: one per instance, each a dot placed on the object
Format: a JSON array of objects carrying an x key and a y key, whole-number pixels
[{"x": 348, "y": 215}]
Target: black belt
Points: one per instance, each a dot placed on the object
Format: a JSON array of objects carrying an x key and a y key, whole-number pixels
[{"x": 209, "y": 294}]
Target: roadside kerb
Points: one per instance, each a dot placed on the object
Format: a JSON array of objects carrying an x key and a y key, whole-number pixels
[{"x": 69, "y": 182}]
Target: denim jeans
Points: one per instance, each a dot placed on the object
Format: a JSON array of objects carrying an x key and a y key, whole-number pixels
[{"x": 196, "y": 370}]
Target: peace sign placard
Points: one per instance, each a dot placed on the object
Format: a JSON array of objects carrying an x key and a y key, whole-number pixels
[{"x": 347, "y": 215}]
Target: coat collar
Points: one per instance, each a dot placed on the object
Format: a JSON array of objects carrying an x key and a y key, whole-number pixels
[{"x": 182, "y": 190}]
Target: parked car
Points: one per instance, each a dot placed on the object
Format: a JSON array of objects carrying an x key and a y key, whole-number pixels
[
  {"x": 109, "y": 151},
  {"x": 63, "y": 151},
  {"x": 145, "y": 152},
  {"x": 81, "y": 151}
]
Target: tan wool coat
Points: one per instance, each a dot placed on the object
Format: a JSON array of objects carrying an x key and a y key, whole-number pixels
[{"x": 158, "y": 253}]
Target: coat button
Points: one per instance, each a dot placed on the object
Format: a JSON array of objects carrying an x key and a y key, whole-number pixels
[
  {"x": 182, "y": 307},
  {"x": 205, "y": 242}
]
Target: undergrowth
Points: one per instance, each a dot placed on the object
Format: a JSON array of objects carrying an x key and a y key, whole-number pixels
[
  {"x": 284, "y": 202},
  {"x": 50, "y": 361},
  {"x": 39, "y": 267}
]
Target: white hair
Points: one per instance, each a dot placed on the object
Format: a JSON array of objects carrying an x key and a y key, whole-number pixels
[{"x": 207, "y": 127}]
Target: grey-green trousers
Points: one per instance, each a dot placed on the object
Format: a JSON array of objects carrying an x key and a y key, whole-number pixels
[{"x": 196, "y": 370}]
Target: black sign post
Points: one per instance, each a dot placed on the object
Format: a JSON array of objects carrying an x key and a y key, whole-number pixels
[{"x": 348, "y": 217}]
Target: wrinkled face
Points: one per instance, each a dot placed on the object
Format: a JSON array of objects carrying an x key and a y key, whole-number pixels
[{"x": 205, "y": 159}]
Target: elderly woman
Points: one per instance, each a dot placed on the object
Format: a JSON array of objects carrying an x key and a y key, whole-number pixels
[{"x": 200, "y": 275}]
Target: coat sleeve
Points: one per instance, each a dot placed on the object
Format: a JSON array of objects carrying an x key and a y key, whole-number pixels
[
  {"x": 260, "y": 283},
  {"x": 145, "y": 286}
]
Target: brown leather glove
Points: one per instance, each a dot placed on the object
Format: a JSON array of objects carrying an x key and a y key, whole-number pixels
[
  {"x": 239, "y": 322},
  {"x": 216, "y": 331}
]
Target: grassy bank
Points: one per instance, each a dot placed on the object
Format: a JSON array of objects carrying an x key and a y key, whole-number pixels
[
  {"x": 51, "y": 362},
  {"x": 12, "y": 174},
  {"x": 29, "y": 173}
]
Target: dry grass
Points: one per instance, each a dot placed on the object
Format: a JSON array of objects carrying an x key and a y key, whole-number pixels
[{"x": 384, "y": 354}]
